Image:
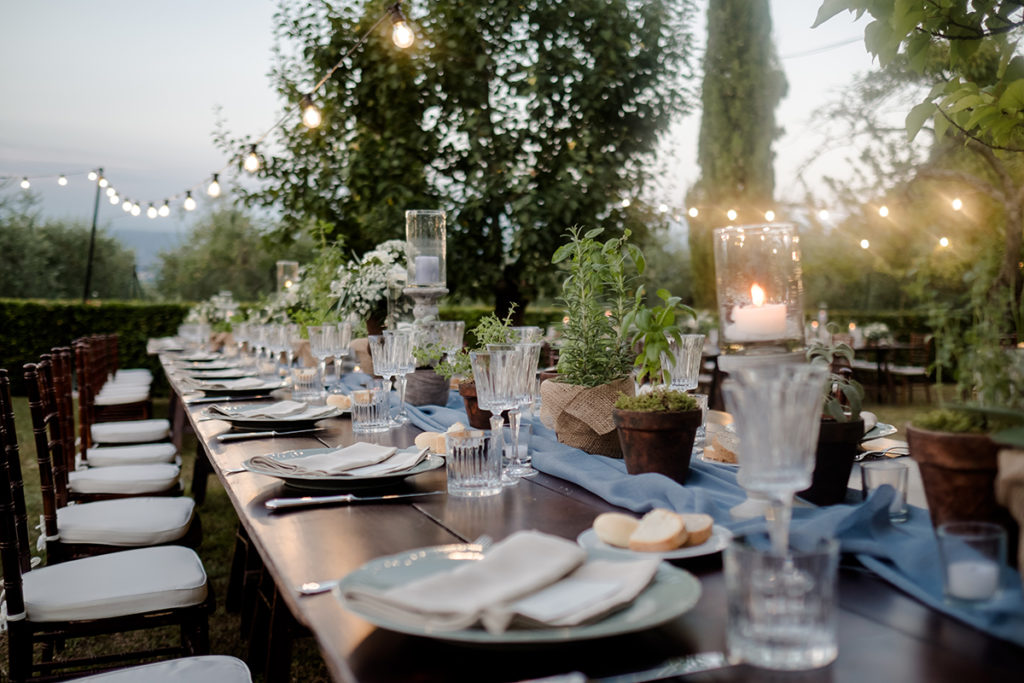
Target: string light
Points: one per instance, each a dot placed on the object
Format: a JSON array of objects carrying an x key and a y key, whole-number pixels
[
  {"x": 693, "y": 212},
  {"x": 214, "y": 188},
  {"x": 25, "y": 184},
  {"x": 126, "y": 206},
  {"x": 114, "y": 199},
  {"x": 93, "y": 175},
  {"x": 957, "y": 204},
  {"x": 731, "y": 213},
  {"x": 165, "y": 210},
  {"x": 136, "y": 209},
  {"x": 883, "y": 211},
  {"x": 111, "y": 192},
  {"x": 311, "y": 116},
  {"x": 151, "y": 211},
  {"x": 944, "y": 241},
  {"x": 103, "y": 182},
  {"x": 401, "y": 34},
  {"x": 625, "y": 203},
  {"x": 823, "y": 215},
  {"x": 864, "y": 244},
  {"x": 252, "y": 161},
  {"x": 769, "y": 215},
  {"x": 662, "y": 208},
  {"x": 189, "y": 203},
  {"x": 63, "y": 180}
]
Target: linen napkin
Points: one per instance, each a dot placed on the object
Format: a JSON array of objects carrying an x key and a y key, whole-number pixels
[
  {"x": 335, "y": 462},
  {"x": 401, "y": 460},
  {"x": 229, "y": 384},
  {"x": 870, "y": 420},
  {"x": 221, "y": 373},
  {"x": 278, "y": 409}
]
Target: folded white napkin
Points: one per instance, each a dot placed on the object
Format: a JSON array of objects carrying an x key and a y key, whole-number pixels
[
  {"x": 401, "y": 460},
  {"x": 870, "y": 420},
  {"x": 274, "y": 410},
  {"x": 338, "y": 461},
  {"x": 525, "y": 575},
  {"x": 224, "y": 373}
]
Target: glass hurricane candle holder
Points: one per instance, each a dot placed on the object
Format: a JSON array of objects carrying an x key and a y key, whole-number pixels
[
  {"x": 760, "y": 292},
  {"x": 425, "y": 248},
  {"x": 287, "y": 274}
]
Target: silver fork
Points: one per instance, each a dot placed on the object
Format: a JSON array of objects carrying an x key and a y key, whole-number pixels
[{"x": 878, "y": 455}]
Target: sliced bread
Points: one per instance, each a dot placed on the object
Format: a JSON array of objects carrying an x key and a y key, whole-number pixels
[
  {"x": 659, "y": 530},
  {"x": 698, "y": 527},
  {"x": 615, "y": 528}
]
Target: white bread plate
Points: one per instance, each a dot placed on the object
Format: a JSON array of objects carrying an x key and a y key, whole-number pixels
[{"x": 720, "y": 537}]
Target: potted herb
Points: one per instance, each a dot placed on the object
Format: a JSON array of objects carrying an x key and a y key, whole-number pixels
[
  {"x": 425, "y": 386},
  {"x": 490, "y": 330},
  {"x": 656, "y": 431},
  {"x": 842, "y": 426},
  {"x": 606, "y": 317}
]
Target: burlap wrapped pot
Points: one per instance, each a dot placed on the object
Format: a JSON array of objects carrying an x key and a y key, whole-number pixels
[{"x": 582, "y": 416}]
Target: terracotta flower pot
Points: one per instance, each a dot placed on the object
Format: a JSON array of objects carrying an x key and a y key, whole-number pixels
[
  {"x": 658, "y": 442},
  {"x": 478, "y": 418},
  {"x": 833, "y": 461},
  {"x": 424, "y": 386}
]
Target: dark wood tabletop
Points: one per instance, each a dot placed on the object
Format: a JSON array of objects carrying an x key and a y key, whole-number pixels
[{"x": 884, "y": 635}]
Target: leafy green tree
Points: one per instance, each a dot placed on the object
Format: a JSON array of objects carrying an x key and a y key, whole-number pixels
[
  {"x": 743, "y": 84},
  {"x": 226, "y": 249},
  {"x": 47, "y": 259},
  {"x": 519, "y": 118}
]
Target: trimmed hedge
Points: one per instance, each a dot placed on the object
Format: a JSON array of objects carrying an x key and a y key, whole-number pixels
[{"x": 30, "y": 327}]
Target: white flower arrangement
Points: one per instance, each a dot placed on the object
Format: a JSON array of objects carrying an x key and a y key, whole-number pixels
[
  {"x": 362, "y": 286},
  {"x": 877, "y": 332}
]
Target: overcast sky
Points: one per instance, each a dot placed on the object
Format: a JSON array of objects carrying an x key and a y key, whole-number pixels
[{"x": 134, "y": 87}]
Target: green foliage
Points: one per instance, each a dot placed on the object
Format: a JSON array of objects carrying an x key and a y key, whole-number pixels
[
  {"x": 598, "y": 292},
  {"x": 658, "y": 400},
  {"x": 48, "y": 258},
  {"x": 31, "y": 328},
  {"x": 956, "y": 421},
  {"x": 315, "y": 303},
  {"x": 516, "y": 117},
  {"x": 226, "y": 249},
  {"x": 842, "y": 395},
  {"x": 490, "y": 330},
  {"x": 743, "y": 84},
  {"x": 651, "y": 329},
  {"x": 971, "y": 50}
]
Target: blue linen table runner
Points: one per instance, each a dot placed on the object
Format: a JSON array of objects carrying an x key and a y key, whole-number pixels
[{"x": 905, "y": 554}]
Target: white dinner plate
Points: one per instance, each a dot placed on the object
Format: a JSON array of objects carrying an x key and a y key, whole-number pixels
[
  {"x": 297, "y": 421},
  {"x": 720, "y": 537},
  {"x": 321, "y": 482},
  {"x": 878, "y": 431},
  {"x": 672, "y": 592}
]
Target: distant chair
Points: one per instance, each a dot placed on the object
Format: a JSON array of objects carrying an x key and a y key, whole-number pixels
[{"x": 916, "y": 372}]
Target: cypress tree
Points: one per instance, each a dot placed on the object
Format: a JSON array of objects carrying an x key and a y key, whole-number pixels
[{"x": 743, "y": 84}]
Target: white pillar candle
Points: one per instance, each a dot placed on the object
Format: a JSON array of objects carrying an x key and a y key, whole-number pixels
[
  {"x": 759, "y": 321},
  {"x": 972, "y": 579},
  {"x": 428, "y": 269}
]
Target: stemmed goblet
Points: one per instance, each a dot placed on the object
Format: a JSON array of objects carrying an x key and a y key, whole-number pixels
[
  {"x": 405, "y": 363},
  {"x": 523, "y": 381},
  {"x": 450, "y": 333},
  {"x": 777, "y": 413},
  {"x": 323, "y": 342},
  {"x": 495, "y": 374}
]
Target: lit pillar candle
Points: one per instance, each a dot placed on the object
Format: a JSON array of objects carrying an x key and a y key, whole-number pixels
[
  {"x": 759, "y": 321},
  {"x": 428, "y": 269}
]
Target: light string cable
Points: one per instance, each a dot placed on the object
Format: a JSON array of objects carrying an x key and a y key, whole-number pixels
[{"x": 402, "y": 36}]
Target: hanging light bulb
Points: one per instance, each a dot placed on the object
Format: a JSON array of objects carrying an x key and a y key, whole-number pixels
[
  {"x": 126, "y": 206},
  {"x": 625, "y": 203},
  {"x": 189, "y": 203},
  {"x": 25, "y": 184},
  {"x": 957, "y": 204},
  {"x": 769, "y": 215},
  {"x": 111, "y": 192},
  {"x": 252, "y": 160},
  {"x": 93, "y": 175},
  {"x": 151, "y": 212},
  {"x": 165, "y": 210},
  {"x": 693, "y": 212},
  {"x": 103, "y": 182},
  {"x": 823, "y": 215},
  {"x": 114, "y": 199},
  {"x": 864, "y": 244},
  {"x": 731, "y": 214},
  {"x": 214, "y": 188},
  {"x": 883, "y": 211},
  {"x": 311, "y": 116},
  {"x": 62, "y": 181},
  {"x": 136, "y": 209},
  {"x": 662, "y": 208},
  {"x": 401, "y": 33},
  {"x": 943, "y": 242}
]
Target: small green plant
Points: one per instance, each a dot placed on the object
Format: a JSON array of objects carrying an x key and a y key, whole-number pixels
[
  {"x": 652, "y": 330},
  {"x": 427, "y": 355},
  {"x": 952, "y": 420},
  {"x": 842, "y": 395},
  {"x": 658, "y": 400},
  {"x": 490, "y": 330}
]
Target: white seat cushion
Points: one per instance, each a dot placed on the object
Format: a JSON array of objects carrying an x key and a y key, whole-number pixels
[
  {"x": 115, "y": 584},
  {"x": 126, "y": 521},
  {"x": 206, "y": 669},
  {"x": 130, "y": 431},
  {"x": 128, "y": 479},
  {"x": 137, "y": 454},
  {"x": 118, "y": 398},
  {"x": 133, "y": 375}
]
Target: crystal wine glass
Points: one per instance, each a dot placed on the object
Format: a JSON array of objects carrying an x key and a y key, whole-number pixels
[
  {"x": 383, "y": 363},
  {"x": 404, "y": 362},
  {"x": 777, "y": 413},
  {"x": 523, "y": 380},
  {"x": 496, "y": 390},
  {"x": 341, "y": 350},
  {"x": 323, "y": 343},
  {"x": 450, "y": 333}
]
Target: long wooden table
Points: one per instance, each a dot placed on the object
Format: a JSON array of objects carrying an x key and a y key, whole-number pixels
[{"x": 884, "y": 635}]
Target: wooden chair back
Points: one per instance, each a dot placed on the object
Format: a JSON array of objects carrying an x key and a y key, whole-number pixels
[
  {"x": 61, "y": 368},
  {"x": 919, "y": 353},
  {"x": 85, "y": 373},
  {"x": 46, "y": 429},
  {"x": 14, "y": 544}
]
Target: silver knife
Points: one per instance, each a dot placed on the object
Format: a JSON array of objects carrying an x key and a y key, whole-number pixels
[
  {"x": 308, "y": 501},
  {"x": 677, "y": 666},
  {"x": 224, "y": 399},
  {"x": 238, "y": 436}
]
